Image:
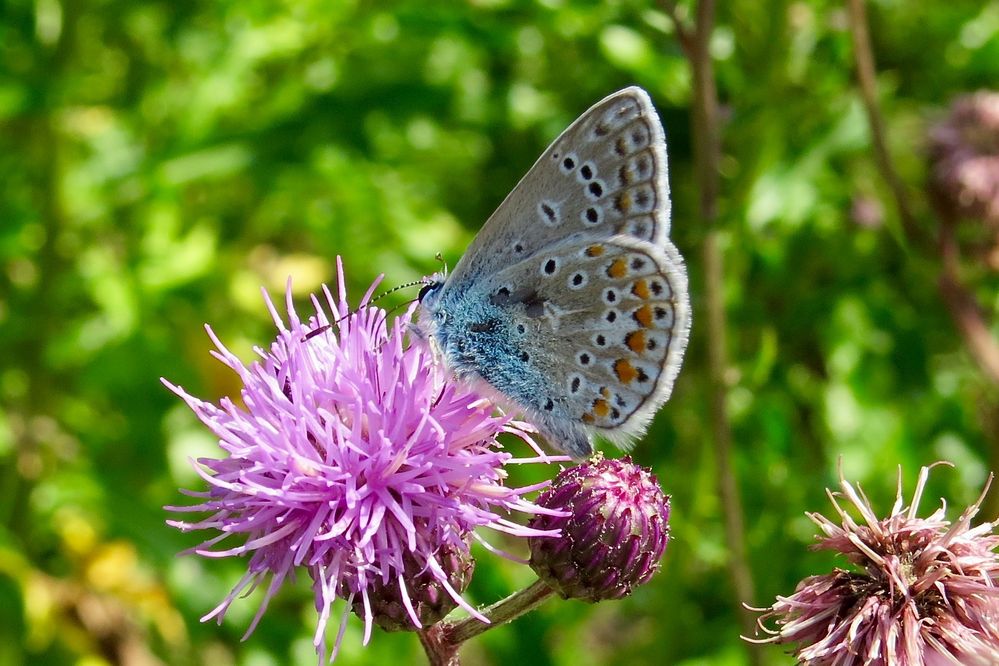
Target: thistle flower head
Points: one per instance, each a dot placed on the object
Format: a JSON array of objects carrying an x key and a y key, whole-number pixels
[
  {"x": 356, "y": 458},
  {"x": 964, "y": 151},
  {"x": 614, "y": 522},
  {"x": 920, "y": 590}
]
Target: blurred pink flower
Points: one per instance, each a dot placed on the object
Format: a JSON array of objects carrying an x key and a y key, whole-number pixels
[
  {"x": 921, "y": 590},
  {"x": 354, "y": 457},
  {"x": 867, "y": 212},
  {"x": 964, "y": 151}
]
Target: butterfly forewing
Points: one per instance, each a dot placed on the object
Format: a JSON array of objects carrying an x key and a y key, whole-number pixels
[{"x": 605, "y": 175}]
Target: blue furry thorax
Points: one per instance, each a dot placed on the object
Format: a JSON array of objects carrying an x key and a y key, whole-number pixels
[{"x": 478, "y": 339}]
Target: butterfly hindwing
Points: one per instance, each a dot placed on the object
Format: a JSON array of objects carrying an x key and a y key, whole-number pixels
[{"x": 606, "y": 320}]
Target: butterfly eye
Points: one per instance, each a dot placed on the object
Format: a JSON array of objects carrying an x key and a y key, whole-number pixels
[{"x": 427, "y": 288}]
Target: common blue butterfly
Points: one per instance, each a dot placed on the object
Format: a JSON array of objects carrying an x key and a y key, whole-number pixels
[{"x": 572, "y": 301}]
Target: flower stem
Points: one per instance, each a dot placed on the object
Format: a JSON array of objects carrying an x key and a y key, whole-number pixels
[
  {"x": 695, "y": 40},
  {"x": 441, "y": 641},
  {"x": 867, "y": 79},
  {"x": 964, "y": 308},
  {"x": 499, "y": 613},
  {"x": 438, "y": 652}
]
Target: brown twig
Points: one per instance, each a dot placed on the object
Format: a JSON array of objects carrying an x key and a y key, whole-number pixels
[
  {"x": 707, "y": 156},
  {"x": 439, "y": 651},
  {"x": 867, "y": 79},
  {"x": 964, "y": 309},
  {"x": 683, "y": 32}
]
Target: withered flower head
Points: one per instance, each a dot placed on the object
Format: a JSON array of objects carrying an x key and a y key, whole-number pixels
[{"x": 919, "y": 591}]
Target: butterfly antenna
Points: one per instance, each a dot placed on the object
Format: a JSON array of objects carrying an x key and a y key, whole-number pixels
[
  {"x": 386, "y": 315},
  {"x": 397, "y": 307},
  {"x": 322, "y": 329},
  {"x": 392, "y": 291}
]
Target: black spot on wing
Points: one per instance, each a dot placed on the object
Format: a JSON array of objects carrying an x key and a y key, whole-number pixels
[{"x": 534, "y": 304}]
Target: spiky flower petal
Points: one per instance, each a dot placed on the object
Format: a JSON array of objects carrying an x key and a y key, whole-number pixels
[
  {"x": 920, "y": 590},
  {"x": 354, "y": 457},
  {"x": 615, "y": 525}
]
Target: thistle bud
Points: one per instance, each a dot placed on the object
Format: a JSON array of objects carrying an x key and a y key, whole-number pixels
[
  {"x": 430, "y": 600},
  {"x": 613, "y": 536}
]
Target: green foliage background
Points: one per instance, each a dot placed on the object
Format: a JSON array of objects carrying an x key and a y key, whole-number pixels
[{"x": 160, "y": 161}]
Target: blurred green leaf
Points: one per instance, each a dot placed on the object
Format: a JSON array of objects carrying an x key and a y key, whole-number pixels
[{"x": 160, "y": 162}]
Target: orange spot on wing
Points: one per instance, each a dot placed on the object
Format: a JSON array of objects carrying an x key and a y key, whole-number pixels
[
  {"x": 600, "y": 408},
  {"x": 622, "y": 203},
  {"x": 604, "y": 391},
  {"x": 636, "y": 341},
  {"x": 625, "y": 371},
  {"x": 643, "y": 316},
  {"x": 588, "y": 418},
  {"x": 618, "y": 268},
  {"x": 641, "y": 289},
  {"x": 624, "y": 175},
  {"x": 594, "y": 250}
]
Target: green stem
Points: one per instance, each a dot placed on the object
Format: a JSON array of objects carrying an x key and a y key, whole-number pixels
[
  {"x": 499, "y": 613},
  {"x": 442, "y": 641}
]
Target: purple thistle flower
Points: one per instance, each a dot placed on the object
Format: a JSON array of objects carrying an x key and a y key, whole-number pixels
[
  {"x": 921, "y": 591},
  {"x": 355, "y": 457}
]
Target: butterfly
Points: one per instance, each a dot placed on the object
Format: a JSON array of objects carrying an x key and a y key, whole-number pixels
[{"x": 571, "y": 303}]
